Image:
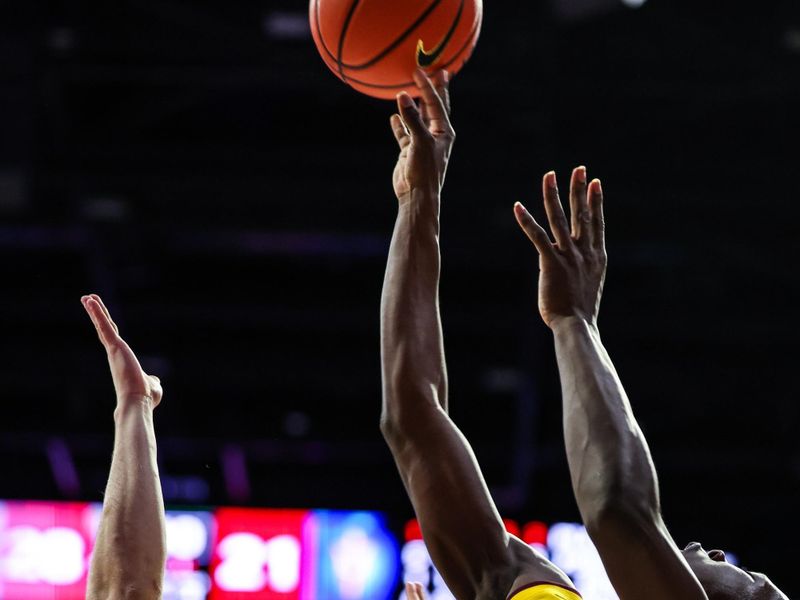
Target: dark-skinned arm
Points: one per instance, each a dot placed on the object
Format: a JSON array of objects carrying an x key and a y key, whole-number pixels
[
  {"x": 130, "y": 550},
  {"x": 460, "y": 523},
  {"x": 613, "y": 476}
]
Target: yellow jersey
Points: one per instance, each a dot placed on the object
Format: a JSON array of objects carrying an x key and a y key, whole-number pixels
[{"x": 545, "y": 591}]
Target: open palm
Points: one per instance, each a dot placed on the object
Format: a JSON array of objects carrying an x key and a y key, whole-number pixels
[
  {"x": 573, "y": 266},
  {"x": 131, "y": 383}
]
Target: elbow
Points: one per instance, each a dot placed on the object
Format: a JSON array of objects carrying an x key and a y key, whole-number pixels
[
  {"x": 389, "y": 425},
  {"x": 407, "y": 408},
  {"x": 616, "y": 510},
  {"x": 396, "y": 423},
  {"x": 391, "y": 410}
]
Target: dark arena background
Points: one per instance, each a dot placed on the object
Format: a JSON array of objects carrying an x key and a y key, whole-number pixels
[{"x": 197, "y": 165}]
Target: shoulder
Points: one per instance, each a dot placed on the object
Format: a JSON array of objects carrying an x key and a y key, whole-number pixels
[{"x": 534, "y": 570}]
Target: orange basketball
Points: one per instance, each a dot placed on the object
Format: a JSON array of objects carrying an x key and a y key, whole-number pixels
[{"x": 375, "y": 45}]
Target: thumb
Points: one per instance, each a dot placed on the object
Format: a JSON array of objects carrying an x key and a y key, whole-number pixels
[
  {"x": 411, "y": 116},
  {"x": 533, "y": 230},
  {"x": 155, "y": 388}
]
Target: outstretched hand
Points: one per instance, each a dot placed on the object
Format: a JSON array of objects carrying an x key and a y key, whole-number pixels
[
  {"x": 425, "y": 137},
  {"x": 132, "y": 384},
  {"x": 573, "y": 268}
]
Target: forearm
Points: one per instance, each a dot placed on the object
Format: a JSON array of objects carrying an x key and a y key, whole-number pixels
[
  {"x": 609, "y": 460},
  {"x": 459, "y": 521},
  {"x": 130, "y": 550},
  {"x": 414, "y": 372}
]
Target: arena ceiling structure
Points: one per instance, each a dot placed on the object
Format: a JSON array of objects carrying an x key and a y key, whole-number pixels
[{"x": 198, "y": 166}]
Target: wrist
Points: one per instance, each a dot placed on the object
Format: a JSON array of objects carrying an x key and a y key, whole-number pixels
[
  {"x": 133, "y": 404},
  {"x": 422, "y": 196},
  {"x": 567, "y": 323},
  {"x": 420, "y": 207}
]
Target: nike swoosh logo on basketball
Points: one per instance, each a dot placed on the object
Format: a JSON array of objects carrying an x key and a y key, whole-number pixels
[{"x": 428, "y": 59}]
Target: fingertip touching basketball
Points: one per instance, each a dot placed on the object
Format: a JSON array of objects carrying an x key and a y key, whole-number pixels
[{"x": 375, "y": 45}]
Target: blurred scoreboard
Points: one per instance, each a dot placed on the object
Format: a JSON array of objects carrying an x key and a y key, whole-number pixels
[{"x": 269, "y": 554}]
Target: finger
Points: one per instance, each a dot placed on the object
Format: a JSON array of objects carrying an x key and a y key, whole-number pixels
[
  {"x": 85, "y": 302},
  {"x": 105, "y": 331},
  {"x": 555, "y": 212},
  {"x": 439, "y": 122},
  {"x": 411, "y": 116},
  {"x": 414, "y": 591},
  {"x": 400, "y": 132},
  {"x": 533, "y": 230},
  {"x": 99, "y": 300},
  {"x": 596, "y": 209},
  {"x": 441, "y": 81},
  {"x": 578, "y": 204},
  {"x": 426, "y": 118}
]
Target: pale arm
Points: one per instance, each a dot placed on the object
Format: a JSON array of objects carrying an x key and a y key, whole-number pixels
[{"x": 130, "y": 550}]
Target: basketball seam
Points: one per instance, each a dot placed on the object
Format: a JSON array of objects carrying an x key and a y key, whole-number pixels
[
  {"x": 342, "y": 37},
  {"x": 322, "y": 41},
  {"x": 470, "y": 39},
  {"x": 403, "y": 36}
]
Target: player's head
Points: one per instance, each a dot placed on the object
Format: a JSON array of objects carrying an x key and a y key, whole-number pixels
[{"x": 724, "y": 581}]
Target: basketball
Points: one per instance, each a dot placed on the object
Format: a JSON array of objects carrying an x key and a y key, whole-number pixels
[{"x": 375, "y": 45}]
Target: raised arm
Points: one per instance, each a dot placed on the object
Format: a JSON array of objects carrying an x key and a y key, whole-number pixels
[
  {"x": 130, "y": 550},
  {"x": 461, "y": 526},
  {"x": 411, "y": 328},
  {"x": 613, "y": 475}
]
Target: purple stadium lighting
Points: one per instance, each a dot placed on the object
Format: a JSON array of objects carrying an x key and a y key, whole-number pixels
[
  {"x": 573, "y": 10},
  {"x": 234, "y": 469},
  {"x": 63, "y": 468},
  {"x": 287, "y": 26}
]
